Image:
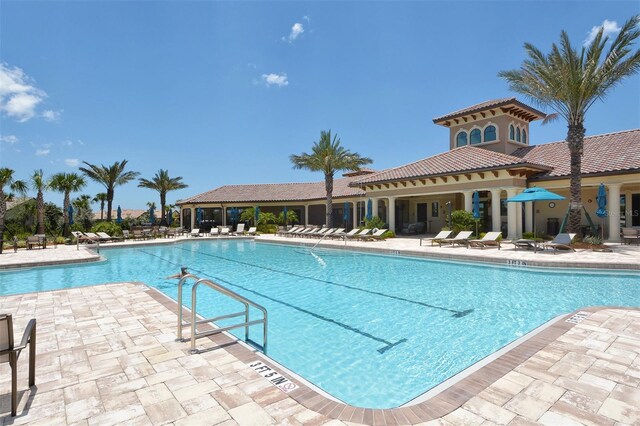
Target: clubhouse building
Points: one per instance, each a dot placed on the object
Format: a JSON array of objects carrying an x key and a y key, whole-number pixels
[{"x": 489, "y": 152}]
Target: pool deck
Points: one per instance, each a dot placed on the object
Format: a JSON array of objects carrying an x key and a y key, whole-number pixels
[{"x": 107, "y": 355}]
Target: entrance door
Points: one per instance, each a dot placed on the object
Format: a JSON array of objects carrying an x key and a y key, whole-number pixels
[
  {"x": 422, "y": 212},
  {"x": 635, "y": 209}
]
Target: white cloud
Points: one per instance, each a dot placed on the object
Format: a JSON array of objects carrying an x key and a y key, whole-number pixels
[
  {"x": 610, "y": 28},
  {"x": 42, "y": 152},
  {"x": 18, "y": 96},
  {"x": 51, "y": 115},
  {"x": 275, "y": 79},
  {"x": 296, "y": 30},
  {"x": 306, "y": 18},
  {"x": 10, "y": 139},
  {"x": 72, "y": 162}
]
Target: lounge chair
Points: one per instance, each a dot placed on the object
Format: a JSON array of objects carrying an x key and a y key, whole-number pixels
[
  {"x": 224, "y": 231},
  {"x": 630, "y": 235},
  {"x": 9, "y": 352},
  {"x": 283, "y": 230},
  {"x": 560, "y": 242},
  {"x": 491, "y": 239},
  {"x": 171, "y": 233},
  {"x": 106, "y": 237},
  {"x": 138, "y": 234},
  {"x": 358, "y": 235},
  {"x": 125, "y": 234},
  {"x": 306, "y": 231},
  {"x": 337, "y": 233},
  {"x": 376, "y": 236},
  {"x": 195, "y": 232},
  {"x": 293, "y": 231},
  {"x": 441, "y": 236},
  {"x": 461, "y": 238},
  {"x": 214, "y": 232},
  {"x": 349, "y": 234},
  {"x": 524, "y": 243},
  {"x": 252, "y": 230},
  {"x": 239, "y": 229}
]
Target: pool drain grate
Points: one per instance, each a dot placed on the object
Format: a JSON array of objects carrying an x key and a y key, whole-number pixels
[{"x": 577, "y": 318}]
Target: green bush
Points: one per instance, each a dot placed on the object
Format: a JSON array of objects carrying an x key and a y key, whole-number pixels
[
  {"x": 531, "y": 236},
  {"x": 462, "y": 220},
  {"x": 292, "y": 217},
  {"x": 389, "y": 234},
  {"x": 592, "y": 239},
  {"x": 267, "y": 228},
  {"x": 110, "y": 228},
  {"x": 374, "y": 222}
]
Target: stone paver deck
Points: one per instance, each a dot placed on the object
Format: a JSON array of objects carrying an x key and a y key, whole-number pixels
[{"x": 107, "y": 355}]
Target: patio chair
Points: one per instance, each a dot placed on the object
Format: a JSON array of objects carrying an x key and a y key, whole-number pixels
[
  {"x": 461, "y": 238},
  {"x": 106, "y": 237},
  {"x": 239, "y": 229},
  {"x": 284, "y": 231},
  {"x": 307, "y": 231},
  {"x": 137, "y": 234},
  {"x": 252, "y": 230},
  {"x": 32, "y": 240},
  {"x": 337, "y": 233},
  {"x": 224, "y": 231},
  {"x": 358, "y": 235},
  {"x": 630, "y": 235},
  {"x": 10, "y": 353},
  {"x": 125, "y": 234},
  {"x": 92, "y": 237},
  {"x": 491, "y": 239},
  {"x": 441, "y": 236},
  {"x": 376, "y": 236},
  {"x": 171, "y": 233},
  {"x": 214, "y": 232},
  {"x": 560, "y": 242},
  {"x": 195, "y": 232},
  {"x": 349, "y": 234}
]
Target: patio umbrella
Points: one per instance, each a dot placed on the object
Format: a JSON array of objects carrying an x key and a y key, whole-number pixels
[
  {"x": 199, "y": 215},
  {"x": 233, "y": 214},
  {"x": 70, "y": 215},
  {"x": 170, "y": 217},
  {"x": 476, "y": 209},
  {"x": 534, "y": 194},
  {"x": 152, "y": 215},
  {"x": 257, "y": 213},
  {"x": 346, "y": 213},
  {"x": 119, "y": 217},
  {"x": 284, "y": 213},
  {"x": 369, "y": 209},
  {"x": 602, "y": 204}
]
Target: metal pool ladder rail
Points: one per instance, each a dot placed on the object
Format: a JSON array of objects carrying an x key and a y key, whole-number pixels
[{"x": 184, "y": 275}]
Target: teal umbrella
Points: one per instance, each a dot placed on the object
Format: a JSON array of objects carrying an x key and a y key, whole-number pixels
[
  {"x": 70, "y": 215},
  {"x": 476, "y": 209},
  {"x": 199, "y": 215},
  {"x": 602, "y": 204},
  {"x": 119, "y": 217},
  {"x": 369, "y": 209},
  {"x": 535, "y": 194},
  {"x": 284, "y": 213},
  {"x": 152, "y": 215},
  {"x": 346, "y": 212},
  {"x": 257, "y": 214},
  {"x": 170, "y": 217}
]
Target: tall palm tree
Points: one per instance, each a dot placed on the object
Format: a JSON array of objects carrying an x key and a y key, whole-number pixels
[
  {"x": 101, "y": 197},
  {"x": 39, "y": 184},
  {"x": 109, "y": 177},
  {"x": 66, "y": 183},
  {"x": 569, "y": 82},
  {"x": 328, "y": 156},
  {"x": 162, "y": 183},
  {"x": 7, "y": 180}
]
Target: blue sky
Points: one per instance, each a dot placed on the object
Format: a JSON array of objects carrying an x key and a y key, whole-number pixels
[{"x": 223, "y": 92}]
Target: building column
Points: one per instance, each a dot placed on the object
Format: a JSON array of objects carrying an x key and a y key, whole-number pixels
[
  {"x": 528, "y": 216},
  {"x": 306, "y": 215},
  {"x": 627, "y": 209},
  {"x": 355, "y": 214},
  {"x": 519, "y": 218},
  {"x": 391, "y": 213},
  {"x": 374, "y": 207},
  {"x": 193, "y": 217},
  {"x": 468, "y": 200},
  {"x": 496, "y": 220},
  {"x": 512, "y": 215},
  {"x": 614, "y": 211}
]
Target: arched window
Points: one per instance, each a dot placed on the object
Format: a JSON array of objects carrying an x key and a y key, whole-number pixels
[
  {"x": 475, "y": 136},
  {"x": 524, "y": 136},
  {"x": 518, "y": 134},
  {"x": 512, "y": 132},
  {"x": 489, "y": 133},
  {"x": 461, "y": 139}
]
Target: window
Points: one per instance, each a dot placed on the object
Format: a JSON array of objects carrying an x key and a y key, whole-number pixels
[
  {"x": 512, "y": 132},
  {"x": 475, "y": 136},
  {"x": 518, "y": 134},
  {"x": 461, "y": 139},
  {"x": 435, "y": 209},
  {"x": 524, "y": 136},
  {"x": 489, "y": 133}
]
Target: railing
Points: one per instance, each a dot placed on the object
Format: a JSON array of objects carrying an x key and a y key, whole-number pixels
[
  {"x": 89, "y": 239},
  {"x": 184, "y": 275}
]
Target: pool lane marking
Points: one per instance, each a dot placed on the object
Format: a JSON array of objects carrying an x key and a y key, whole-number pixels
[
  {"x": 456, "y": 313},
  {"x": 388, "y": 345}
]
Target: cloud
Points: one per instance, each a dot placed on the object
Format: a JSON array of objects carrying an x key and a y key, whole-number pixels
[
  {"x": 18, "y": 96},
  {"x": 10, "y": 139},
  {"x": 51, "y": 115},
  {"x": 275, "y": 79},
  {"x": 296, "y": 30},
  {"x": 72, "y": 162},
  {"x": 610, "y": 28},
  {"x": 42, "y": 152}
]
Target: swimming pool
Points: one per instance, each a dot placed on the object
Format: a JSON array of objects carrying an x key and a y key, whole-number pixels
[{"x": 373, "y": 331}]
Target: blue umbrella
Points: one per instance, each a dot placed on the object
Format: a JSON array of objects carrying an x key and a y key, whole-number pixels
[
  {"x": 284, "y": 213},
  {"x": 535, "y": 194},
  {"x": 70, "y": 215},
  {"x": 476, "y": 205},
  {"x": 602, "y": 201},
  {"x": 233, "y": 214},
  {"x": 119, "y": 217},
  {"x": 346, "y": 212},
  {"x": 199, "y": 215},
  {"x": 170, "y": 216},
  {"x": 369, "y": 209},
  {"x": 257, "y": 213},
  {"x": 152, "y": 215}
]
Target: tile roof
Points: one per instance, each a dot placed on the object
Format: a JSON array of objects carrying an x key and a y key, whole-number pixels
[
  {"x": 610, "y": 152},
  {"x": 458, "y": 160},
  {"x": 276, "y": 192},
  {"x": 493, "y": 103}
]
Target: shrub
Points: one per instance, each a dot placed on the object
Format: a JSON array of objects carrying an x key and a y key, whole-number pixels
[
  {"x": 292, "y": 217},
  {"x": 531, "y": 236},
  {"x": 592, "y": 239},
  {"x": 110, "y": 228},
  {"x": 374, "y": 222},
  {"x": 462, "y": 220},
  {"x": 389, "y": 234},
  {"x": 267, "y": 228}
]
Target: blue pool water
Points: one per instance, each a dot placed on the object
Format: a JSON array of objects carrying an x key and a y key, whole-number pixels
[{"x": 374, "y": 331}]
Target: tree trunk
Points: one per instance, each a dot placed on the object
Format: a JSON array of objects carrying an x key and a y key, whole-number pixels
[
  {"x": 65, "y": 215},
  {"x": 328, "y": 184},
  {"x": 575, "y": 140},
  {"x": 40, "y": 210},
  {"x": 163, "y": 202},
  {"x": 101, "y": 209},
  {"x": 109, "y": 203},
  {"x": 3, "y": 211}
]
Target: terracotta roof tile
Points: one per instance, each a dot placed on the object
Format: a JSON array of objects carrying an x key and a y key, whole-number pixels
[
  {"x": 276, "y": 192},
  {"x": 610, "y": 152},
  {"x": 493, "y": 103}
]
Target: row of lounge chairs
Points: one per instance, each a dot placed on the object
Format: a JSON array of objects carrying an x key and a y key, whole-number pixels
[
  {"x": 334, "y": 233},
  {"x": 224, "y": 231},
  {"x": 492, "y": 239}
]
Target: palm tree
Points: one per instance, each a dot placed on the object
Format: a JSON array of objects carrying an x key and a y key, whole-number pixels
[
  {"x": 328, "y": 156},
  {"x": 569, "y": 82},
  {"x": 66, "y": 183},
  {"x": 39, "y": 184},
  {"x": 162, "y": 183},
  {"x": 101, "y": 197},
  {"x": 6, "y": 179},
  {"x": 109, "y": 177}
]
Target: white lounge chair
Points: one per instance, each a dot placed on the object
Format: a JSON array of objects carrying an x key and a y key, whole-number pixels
[
  {"x": 461, "y": 238},
  {"x": 224, "y": 231},
  {"x": 214, "y": 232},
  {"x": 358, "y": 235},
  {"x": 491, "y": 239},
  {"x": 252, "y": 230},
  {"x": 377, "y": 235},
  {"x": 240, "y": 229},
  {"x": 560, "y": 242},
  {"x": 441, "y": 236},
  {"x": 195, "y": 232},
  {"x": 106, "y": 237}
]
